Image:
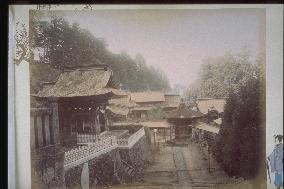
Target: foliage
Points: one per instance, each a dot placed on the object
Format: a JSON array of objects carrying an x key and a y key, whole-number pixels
[
  {"x": 238, "y": 146},
  {"x": 67, "y": 45},
  {"x": 220, "y": 75}
]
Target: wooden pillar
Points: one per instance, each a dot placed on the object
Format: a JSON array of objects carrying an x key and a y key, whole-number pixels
[
  {"x": 47, "y": 132},
  {"x": 165, "y": 134},
  {"x": 32, "y": 131},
  {"x": 92, "y": 117},
  {"x": 97, "y": 124},
  {"x": 171, "y": 132},
  {"x": 39, "y": 131}
]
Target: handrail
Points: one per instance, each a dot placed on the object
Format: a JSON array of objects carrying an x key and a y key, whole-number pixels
[
  {"x": 98, "y": 146},
  {"x": 85, "y": 153},
  {"x": 129, "y": 142},
  {"x": 86, "y": 138}
]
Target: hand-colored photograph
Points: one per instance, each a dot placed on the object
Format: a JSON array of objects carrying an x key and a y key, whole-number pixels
[{"x": 154, "y": 98}]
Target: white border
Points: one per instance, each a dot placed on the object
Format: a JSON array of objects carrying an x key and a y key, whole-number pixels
[{"x": 11, "y": 109}]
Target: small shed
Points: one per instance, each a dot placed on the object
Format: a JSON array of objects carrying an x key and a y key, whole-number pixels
[{"x": 182, "y": 120}]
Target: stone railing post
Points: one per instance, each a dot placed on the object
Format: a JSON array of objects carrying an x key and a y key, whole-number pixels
[{"x": 58, "y": 150}]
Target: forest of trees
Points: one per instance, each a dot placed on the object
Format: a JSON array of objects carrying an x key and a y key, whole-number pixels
[{"x": 65, "y": 45}]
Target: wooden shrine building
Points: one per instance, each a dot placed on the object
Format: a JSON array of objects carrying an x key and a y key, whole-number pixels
[
  {"x": 182, "y": 120},
  {"x": 145, "y": 101},
  {"x": 82, "y": 94}
]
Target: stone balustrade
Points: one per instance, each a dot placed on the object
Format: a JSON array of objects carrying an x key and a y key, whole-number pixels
[
  {"x": 133, "y": 139},
  {"x": 83, "y": 154},
  {"x": 96, "y": 146},
  {"x": 86, "y": 138}
]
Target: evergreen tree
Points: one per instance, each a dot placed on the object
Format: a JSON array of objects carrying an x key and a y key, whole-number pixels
[{"x": 238, "y": 146}]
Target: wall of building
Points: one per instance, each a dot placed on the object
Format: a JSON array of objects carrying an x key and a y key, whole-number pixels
[{"x": 47, "y": 157}]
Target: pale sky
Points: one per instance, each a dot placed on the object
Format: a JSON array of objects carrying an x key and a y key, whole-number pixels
[{"x": 176, "y": 40}]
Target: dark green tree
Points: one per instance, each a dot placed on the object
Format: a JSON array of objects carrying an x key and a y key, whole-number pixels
[{"x": 238, "y": 147}]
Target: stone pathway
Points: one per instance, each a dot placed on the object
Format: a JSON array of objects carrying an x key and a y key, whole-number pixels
[
  {"x": 181, "y": 168},
  {"x": 162, "y": 170},
  {"x": 198, "y": 167}
]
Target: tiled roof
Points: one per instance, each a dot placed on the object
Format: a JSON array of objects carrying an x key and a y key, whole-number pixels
[
  {"x": 182, "y": 112},
  {"x": 207, "y": 127},
  {"x": 147, "y": 97},
  {"x": 81, "y": 82},
  {"x": 118, "y": 110},
  {"x": 122, "y": 102}
]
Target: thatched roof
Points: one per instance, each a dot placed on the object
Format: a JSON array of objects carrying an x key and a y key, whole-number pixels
[
  {"x": 147, "y": 97},
  {"x": 182, "y": 112},
  {"x": 205, "y": 104},
  {"x": 78, "y": 82}
]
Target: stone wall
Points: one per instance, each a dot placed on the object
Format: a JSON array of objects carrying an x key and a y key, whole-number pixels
[
  {"x": 47, "y": 168},
  {"x": 137, "y": 155},
  {"x": 104, "y": 170}
]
